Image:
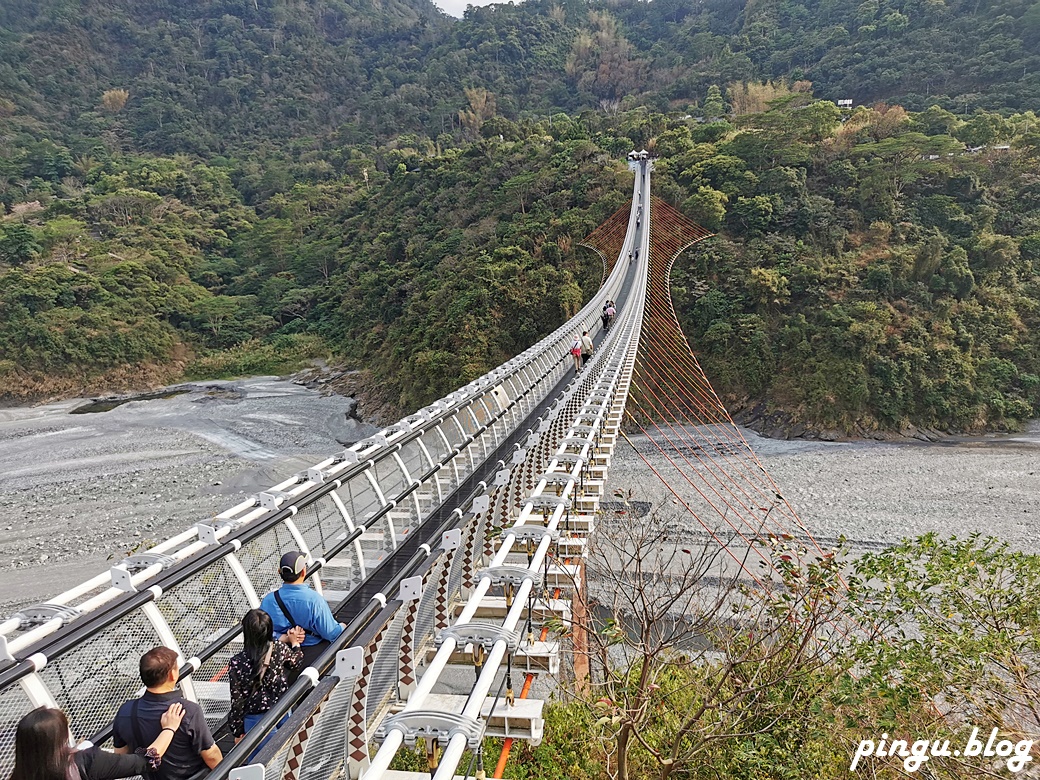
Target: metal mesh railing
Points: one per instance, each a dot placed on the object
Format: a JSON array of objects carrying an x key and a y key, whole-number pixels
[
  {"x": 390, "y": 478},
  {"x": 425, "y": 617},
  {"x": 260, "y": 556},
  {"x": 321, "y": 525},
  {"x": 377, "y": 542},
  {"x": 275, "y": 768},
  {"x": 480, "y": 533},
  {"x": 112, "y": 656},
  {"x": 326, "y": 748},
  {"x": 454, "y": 431},
  {"x": 13, "y": 705},
  {"x": 202, "y": 608},
  {"x": 435, "y": 445},
  {"x": 360, "y": 498},
  {"x": 212, "y": 688},
  {"x": 407, "y": 513},
  {"x": 457, "y": 570},
  {"x": 382, "y": 681}
]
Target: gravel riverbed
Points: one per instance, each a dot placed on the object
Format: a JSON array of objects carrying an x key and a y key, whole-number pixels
[
  {"x": 878, "y": 493},
  {"x": 79, "y": 491}
]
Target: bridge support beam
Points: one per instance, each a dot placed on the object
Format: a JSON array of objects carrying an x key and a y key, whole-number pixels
[{"x": 357, "y": 726}]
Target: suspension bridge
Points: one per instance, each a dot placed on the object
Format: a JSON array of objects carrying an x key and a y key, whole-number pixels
[{"x": 451, "y": 538}]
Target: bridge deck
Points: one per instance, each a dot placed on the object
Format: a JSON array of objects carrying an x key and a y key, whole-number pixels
[{"x": 379, "y": 513}]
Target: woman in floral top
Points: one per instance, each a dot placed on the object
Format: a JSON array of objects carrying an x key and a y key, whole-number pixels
[{"x": 257, "y": 674}]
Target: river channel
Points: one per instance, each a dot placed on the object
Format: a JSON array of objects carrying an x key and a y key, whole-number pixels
[{"x": 81, "y": 490}]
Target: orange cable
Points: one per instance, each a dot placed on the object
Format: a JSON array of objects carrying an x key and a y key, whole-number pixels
[{"x": 507, "y": 746}]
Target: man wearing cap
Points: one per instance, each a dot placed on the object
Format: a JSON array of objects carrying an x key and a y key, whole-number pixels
[{"x": 296, "y": 605}]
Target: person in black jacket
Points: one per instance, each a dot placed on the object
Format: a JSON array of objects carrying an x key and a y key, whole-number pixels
[
  {"x": 42, "y": 750},
  {"x": 259, "y": 675}
]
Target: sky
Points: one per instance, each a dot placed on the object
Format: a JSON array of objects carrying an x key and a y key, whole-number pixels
[{"x": 457, "y": 7}]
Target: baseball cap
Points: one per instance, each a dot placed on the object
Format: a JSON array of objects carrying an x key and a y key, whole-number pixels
[{"x": 292, "y": 565}]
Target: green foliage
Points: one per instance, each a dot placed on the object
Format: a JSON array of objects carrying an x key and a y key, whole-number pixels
[
  {"x": 714, "y": 105},
  {"x": 870, "y": 285},
  {"x": 18, "y": 244},
  {"x": 323, "y": 174},
  {"x": 960, "y": 616},
  {"x": 208, "y": 79},
  {"x": 707, "y": 207},
  {"x": 881, "y": 647},
  {"x": 280, "y": 355}
]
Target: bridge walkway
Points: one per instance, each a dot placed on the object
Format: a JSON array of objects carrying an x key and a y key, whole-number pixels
[{"x": 363, "y": 506}]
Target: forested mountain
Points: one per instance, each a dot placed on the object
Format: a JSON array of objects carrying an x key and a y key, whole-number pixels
[
  {"x": 206, "y": 76},
  {"x": 212, "y": 187}
]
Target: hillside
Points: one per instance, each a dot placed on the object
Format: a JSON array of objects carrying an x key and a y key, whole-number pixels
[
  {"x": 207, "y": 77},
  {"x": 960, "y": 54},
  {"x": 200, "y": 189}
]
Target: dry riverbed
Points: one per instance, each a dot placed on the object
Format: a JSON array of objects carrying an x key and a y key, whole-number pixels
[
  {"x": 877, "y": 493},
  {"x": 79, "y": 491}
]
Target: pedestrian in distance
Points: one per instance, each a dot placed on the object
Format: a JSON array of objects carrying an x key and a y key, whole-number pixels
[
  {"x": 611, "y": 311},
  {"x": 586, "y": 348},
  {"x": 296, "y": 605},
  {"x": 605, "y": 318},
  {"x": 42, "y": 750},
  {"x": 139, "y": 721},
  {"x": 576, "y": 353},
  {"x": 259, "y": 674}
]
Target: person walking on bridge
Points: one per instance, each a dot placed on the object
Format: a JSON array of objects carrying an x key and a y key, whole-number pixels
[
  {"x": 606, "y": 318},
  {"x": 139, "y": 722},
  {"x": 586, "y": 348},
  {"x": 576, "y": 353},
  {"x": 42, "y": 750},
  {"x": 259, "y": 674},
  {"x": 296, "y": 605}
]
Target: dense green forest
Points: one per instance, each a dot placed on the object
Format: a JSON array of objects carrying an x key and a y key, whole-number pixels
[
  {"x": 219, "y": 188},
  {"x": 206, "y": 76}
]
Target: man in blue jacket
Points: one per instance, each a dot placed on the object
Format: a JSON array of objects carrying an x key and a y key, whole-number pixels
[{"x": 296, "y": 605}]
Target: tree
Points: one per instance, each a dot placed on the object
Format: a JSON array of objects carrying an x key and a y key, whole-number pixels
[
  {"x": 995, "y": 252},
  {"x": 686, "y": 659},
  {"x": 770, "y": 287},
  {"x": 707, "y": 207},
  {"x": 481, "y": 107},
  {"x": 960, "y": 617},
  {"x": 755, "y": 214},
  {"x": 755, "y": 97},
  {"x": 894, "y": 162},
  {"x": 928, "y": 638},
  {"x": 114, "y": 100},
  {"x": 18, "y": 244},
  {"x": 714, "y": 105},
  {"x": 935, "y": 120},
  {"x": 229, "y": 320},
  {"x": 984, "y": 129}
]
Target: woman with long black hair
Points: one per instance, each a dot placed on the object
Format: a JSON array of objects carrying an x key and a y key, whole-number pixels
[
  {"x": 43, "y": 750},
  {"x": 258, "y": 674}
]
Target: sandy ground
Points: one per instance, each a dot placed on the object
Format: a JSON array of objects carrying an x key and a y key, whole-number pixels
[
  {"x": 878, "y": 493},
  {"x": 78, "y": 491}
]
